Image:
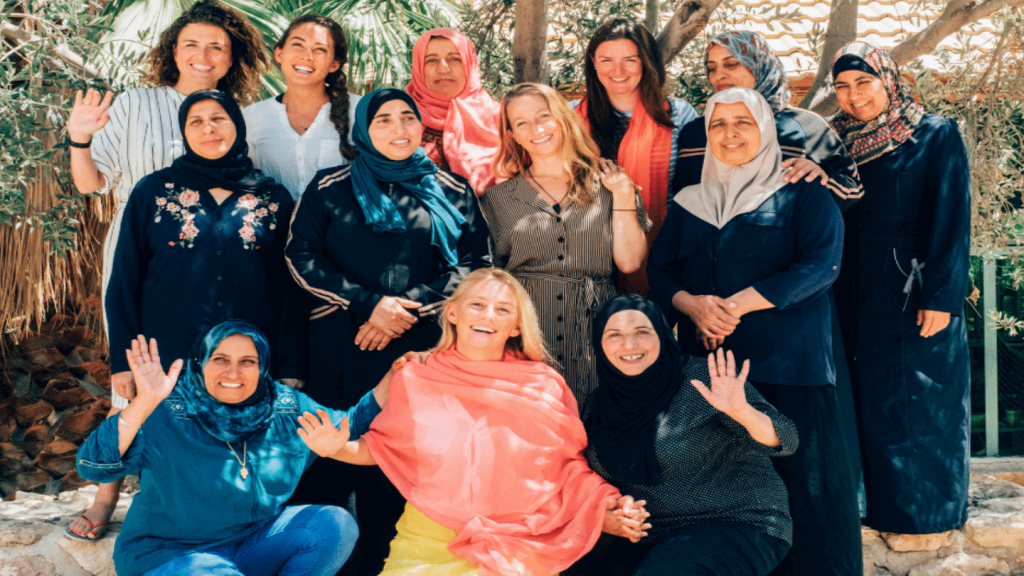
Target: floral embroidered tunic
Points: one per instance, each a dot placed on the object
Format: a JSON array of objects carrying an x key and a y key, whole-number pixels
[{"x": 183, "y": 263}]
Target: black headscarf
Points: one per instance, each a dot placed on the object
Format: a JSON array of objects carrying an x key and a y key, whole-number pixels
[
  {"x": 234, "y": 171},
  {"x": 625, "y": 410},
  {"x": 852, "y": 62}
]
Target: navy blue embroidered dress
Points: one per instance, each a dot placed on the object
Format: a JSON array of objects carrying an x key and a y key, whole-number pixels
[
  {"x": 183, "y": 264},
  {"x": 914, "y": 392}
]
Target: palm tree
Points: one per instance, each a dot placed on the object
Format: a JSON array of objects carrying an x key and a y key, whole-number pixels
[{"x": 380, "y": 33}]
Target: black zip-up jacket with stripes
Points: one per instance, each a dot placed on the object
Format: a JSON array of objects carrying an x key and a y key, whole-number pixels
[
  {"x": 338, "y": 259},
  {"x": 802, "y": 134}
]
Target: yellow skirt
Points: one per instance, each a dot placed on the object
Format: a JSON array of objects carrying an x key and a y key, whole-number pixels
[{"x": 421, "y": 548}]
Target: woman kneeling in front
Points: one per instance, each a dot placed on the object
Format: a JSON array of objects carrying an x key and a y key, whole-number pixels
[
  {"x": 221, "y": 456},
  {"x": 485, "y": 442}
]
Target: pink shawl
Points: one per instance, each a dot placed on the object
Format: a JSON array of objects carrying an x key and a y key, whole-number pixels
[
  {"x": 494, "y": 451},
  {"x": 469, "y": 121}
]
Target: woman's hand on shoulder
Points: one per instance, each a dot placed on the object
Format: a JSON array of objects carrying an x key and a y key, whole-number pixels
[
  {"x": 614, "y": 178},
  {"x": 626, "y": 518},
  {"x": 802, "y": 167},
  {"x": 728, "y": 392},
  {"x": 320, "y": 435},
  {"x": 88, "y": 115},
  {"x": 383, "y": 388},
  {"x": 151, "y": 383}
]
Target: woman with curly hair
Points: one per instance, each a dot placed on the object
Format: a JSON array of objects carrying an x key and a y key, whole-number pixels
[
  {"x": 114, "y": 146},
  {"x": 309, "y": 127}
]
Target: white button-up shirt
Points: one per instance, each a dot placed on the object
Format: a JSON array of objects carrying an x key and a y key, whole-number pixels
[{"x": 286, "y": 156}]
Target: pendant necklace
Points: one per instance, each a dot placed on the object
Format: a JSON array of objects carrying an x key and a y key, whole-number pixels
[
  {"x": 245, "y": 456},
  {"x": 557, "y": 206}
]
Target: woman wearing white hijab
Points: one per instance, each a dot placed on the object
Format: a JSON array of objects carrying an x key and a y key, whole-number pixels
[{"x": 745, "y": 259}]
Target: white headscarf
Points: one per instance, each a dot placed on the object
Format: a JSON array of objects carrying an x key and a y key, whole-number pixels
[{"x": 727, "y": 191}]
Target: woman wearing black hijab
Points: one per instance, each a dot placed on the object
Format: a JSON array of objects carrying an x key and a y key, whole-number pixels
[
  {"x": 698, "y": 456},
  {"x": 202, "y": 242}
]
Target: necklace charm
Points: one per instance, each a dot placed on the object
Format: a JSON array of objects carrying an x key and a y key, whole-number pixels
[{"x": 244, "y": 473}]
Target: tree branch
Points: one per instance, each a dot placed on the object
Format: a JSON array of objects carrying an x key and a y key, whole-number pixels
[
  {"x": 530, "y": 42},
  {"x": 958, "y": 13},
  {"x": 687, "y": 22},
  {"x": 842, "y": 29},
  {"x": 651, "y": 15},
  {"x": 63, "y": 53}
]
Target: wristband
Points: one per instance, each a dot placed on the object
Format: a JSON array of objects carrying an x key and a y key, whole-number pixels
[{"x": 83, "y": 145}]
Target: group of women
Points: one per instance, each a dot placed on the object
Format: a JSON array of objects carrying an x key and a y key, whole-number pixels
[{"x": 313, "y": 276}]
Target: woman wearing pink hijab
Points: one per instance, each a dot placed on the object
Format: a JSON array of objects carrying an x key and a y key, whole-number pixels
[{"x": 460, "y": 119}]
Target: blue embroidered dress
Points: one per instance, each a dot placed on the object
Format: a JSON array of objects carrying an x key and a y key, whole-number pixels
[
  {"x": 193, "y": 496},
  {"x": 184, "y": 263}
]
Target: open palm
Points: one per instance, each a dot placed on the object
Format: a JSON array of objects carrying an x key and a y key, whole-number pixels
[
  {"x": 727, "y": 392},
  {"x": 150, "y": 380},
  {"x": 319, "y": 433}
]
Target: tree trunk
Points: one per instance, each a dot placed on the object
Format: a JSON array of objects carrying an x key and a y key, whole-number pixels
[
  {"x": 651, "y": 16},
  {"x": 688, "y": 21},
  {"x": 842, "y": 29},
  {"x": 529, "y": 43}
]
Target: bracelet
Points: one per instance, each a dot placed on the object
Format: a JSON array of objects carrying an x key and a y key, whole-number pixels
[
  {"x": 83, "y": 145},
  {"x": 623, "y": 209},
  {"x": 123, "y": 422}
]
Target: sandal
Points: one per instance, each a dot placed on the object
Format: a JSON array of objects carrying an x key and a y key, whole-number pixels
[{"x": 92, "y": 528}]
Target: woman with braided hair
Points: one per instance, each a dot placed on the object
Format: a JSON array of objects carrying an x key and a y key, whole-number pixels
[{"x": 308, "y": 128}]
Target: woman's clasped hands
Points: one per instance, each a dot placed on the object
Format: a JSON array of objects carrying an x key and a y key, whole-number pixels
[
  {"x": 391, "y": 317},
  {"x": 626, "y": 518},
  {"x": 715, "y": 317}
]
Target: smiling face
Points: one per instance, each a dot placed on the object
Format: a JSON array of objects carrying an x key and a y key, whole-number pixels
[
  {"x": 726, "y": 71},
  {"x": 443, "y": 69},
  {"x": 307, "y": 56},
  {"x": 733, "y": 134},
  {"x": 619, "y": 67},
  {"x": 484, "y": 319},
  {"x": 395, "y": 130},
  {"x": 630, "y": 342},
  {"x": 202, "y": 55},
  {"x": 861, "y": 95},
  {"x": 233, "y": 371},
  {"x": 209, "y": 130},
  {"x": 533, "y": 126}
]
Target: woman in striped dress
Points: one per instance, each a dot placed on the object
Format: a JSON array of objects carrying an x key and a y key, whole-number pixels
[
  {"x": 563, "y": 223},
  {"x": 113, "y": 147}
]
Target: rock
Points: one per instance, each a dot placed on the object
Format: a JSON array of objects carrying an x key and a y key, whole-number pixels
[
  {"x": 100, "y": 372},
  {"x": 60, "y": 448},
  {"x": 985, "y": 487},
  {"x": 961, "y": 564},
  {"x": 77, "y": 335},
  {"x": 64, "y": 391},
  {"x": 88, "y": 354},
  {"x": 19, "y": 534},
  {"x": 28, "y": 414},
  {"x": 1015, "y": 477},
  {"x": 12, "y": 458},
  {"x": 31, "y": 480},
  {"x": 998, "y": 523},
  {"x": 55, "y": 466},
  {"x": 76, "y": 427},
  {"x": 45, "y": 357},
  {"x": 7, "y": 430},
  {"x": 915, "y": 542},
  {"x": 73, "y": 481},
  {"x": 39, "y": 432},
  {"x": 95, "y": 557},
  {"x": 31, "y": 447},
  {"x": 27, "y": 566}
]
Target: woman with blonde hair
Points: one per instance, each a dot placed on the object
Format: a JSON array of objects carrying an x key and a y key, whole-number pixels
[
  {"x": 484, "y": 440},
  {"x": 562, "y": 223}
]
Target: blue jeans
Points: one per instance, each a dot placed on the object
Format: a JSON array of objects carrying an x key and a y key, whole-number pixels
[{"x": 300, "y": 541}]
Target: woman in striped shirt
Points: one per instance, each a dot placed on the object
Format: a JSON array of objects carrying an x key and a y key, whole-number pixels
[
  {"x": 209, "y": 46},
  {"x": 563, "y": 223}
]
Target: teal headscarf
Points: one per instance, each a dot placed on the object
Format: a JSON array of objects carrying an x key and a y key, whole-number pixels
[
  {"x": 227, "y": 422},
  {"x": 415, "y": 174}
]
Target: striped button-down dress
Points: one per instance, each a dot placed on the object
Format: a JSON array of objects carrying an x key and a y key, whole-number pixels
[{"x": 564, "y": 260}]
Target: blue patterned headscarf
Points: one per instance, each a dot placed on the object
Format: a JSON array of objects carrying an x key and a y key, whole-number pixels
[
  {"x": 227, "y": 422},
  {"x": 415, "y": 174},
  {"x": 753, "y": 51}
]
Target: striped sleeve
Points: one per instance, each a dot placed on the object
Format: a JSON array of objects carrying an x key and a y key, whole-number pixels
[
  {"x": 106, "y": 144},
  {"x": 823, "y": 146}
]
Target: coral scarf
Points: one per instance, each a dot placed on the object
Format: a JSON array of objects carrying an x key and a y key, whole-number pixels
[
  {"x": 469, "y": 121},
  {"x": 493, "y": 450},
  {"x": 646, "y": 155}
]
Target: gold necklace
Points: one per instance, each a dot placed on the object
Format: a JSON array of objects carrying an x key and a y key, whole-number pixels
[{"x": 245, "y": 456}]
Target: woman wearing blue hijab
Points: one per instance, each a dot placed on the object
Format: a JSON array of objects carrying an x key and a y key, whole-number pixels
[
  {"x": 378, "y": 246},
  {"x": 221, "y": 453}
]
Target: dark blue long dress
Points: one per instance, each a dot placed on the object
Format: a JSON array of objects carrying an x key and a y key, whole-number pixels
[{"x": 913, "y": 393}]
